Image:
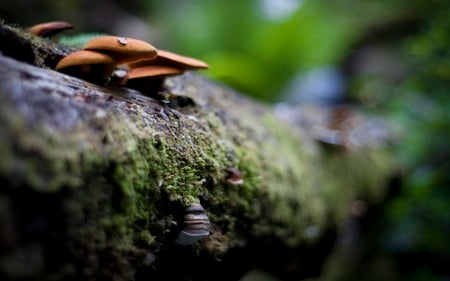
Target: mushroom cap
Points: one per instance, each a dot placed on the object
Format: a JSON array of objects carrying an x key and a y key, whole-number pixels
[
  {"x": 166, "y": 58},
  {"x": 123, "y": 50},
  {"x": 48, "y": 29},
  {"x": 84, "y": 57},
  {"x": 153, "y": 71}
]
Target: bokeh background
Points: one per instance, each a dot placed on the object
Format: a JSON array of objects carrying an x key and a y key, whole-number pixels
[{"x": 389, "y": 57}]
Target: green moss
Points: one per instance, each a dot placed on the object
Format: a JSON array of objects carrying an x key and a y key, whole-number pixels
[
  {"x": 185, "y": 160},
  {"x": 294, "y": 180},
  {"x": 128, "y": 165},
  {"x": 353, "y": 175}
]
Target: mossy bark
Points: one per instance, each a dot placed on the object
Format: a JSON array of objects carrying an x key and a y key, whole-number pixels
[{"x": 96, "y": 178}]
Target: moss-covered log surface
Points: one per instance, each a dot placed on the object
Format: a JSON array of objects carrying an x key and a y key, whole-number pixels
[{"x": 95, "y": 179}]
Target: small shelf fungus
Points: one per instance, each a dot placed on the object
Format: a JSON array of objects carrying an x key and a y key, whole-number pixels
[
  {"x": 48, "y": 29},
  {"x": 196, "y": 225},
  {"x": 234, "y": 176}
]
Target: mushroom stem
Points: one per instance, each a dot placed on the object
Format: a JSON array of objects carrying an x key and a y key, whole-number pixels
[{"x": 149, "y": 87}]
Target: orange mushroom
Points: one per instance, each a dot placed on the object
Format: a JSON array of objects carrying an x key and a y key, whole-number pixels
[
  {"x": 148, "y": 79},
  {"x": 122, "y": 50},
  {"x": 87, "y": 64},
  {"x": 146, "y": 71},
  {"x": 166, "y": 58},
  {"x": 147, "y": 76},
  {"x": 48, "y": 29},
  {"x": 164, "y": 64}
]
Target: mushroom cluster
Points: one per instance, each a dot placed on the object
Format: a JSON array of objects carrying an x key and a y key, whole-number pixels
[{"x": 126, "y": 62}]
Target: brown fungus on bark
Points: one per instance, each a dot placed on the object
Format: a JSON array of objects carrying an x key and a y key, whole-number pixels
[
  {"x": 112, "y": 52},
  {"x": 147, "y": 76},
  {"x": 167, "y": 58},
  {"x": 123, "y": 50},
  {"x": 234, "y": 176},
  {"x": 196, "y": 225},
  {"x": 88, "y": 65},
  {"x": 48, "y": 29},
  {"x": 153, "y": 71},
  {"x": 149, "y": 79}
]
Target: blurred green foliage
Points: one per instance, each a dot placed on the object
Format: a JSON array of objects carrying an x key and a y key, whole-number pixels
[
  {"x": 414, "y": 229},
  {"x": 259, "y": 54}
]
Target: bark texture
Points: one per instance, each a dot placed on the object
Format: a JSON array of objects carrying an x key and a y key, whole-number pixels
[{"x": 95, "y": 179}]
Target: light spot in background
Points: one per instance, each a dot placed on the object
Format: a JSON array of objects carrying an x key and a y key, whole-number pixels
[
  {"x": 279, "y": 10},
  {"x": 323, "y": 85}
]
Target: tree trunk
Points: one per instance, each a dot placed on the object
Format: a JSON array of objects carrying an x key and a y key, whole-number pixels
[{"x": 97, "y": 179}]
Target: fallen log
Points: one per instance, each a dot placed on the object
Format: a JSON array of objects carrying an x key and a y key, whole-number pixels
[{"x": 96, "y": 179}]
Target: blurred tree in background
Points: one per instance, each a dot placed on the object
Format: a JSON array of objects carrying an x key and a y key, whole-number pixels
[{"x": 390, "y": 57}]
